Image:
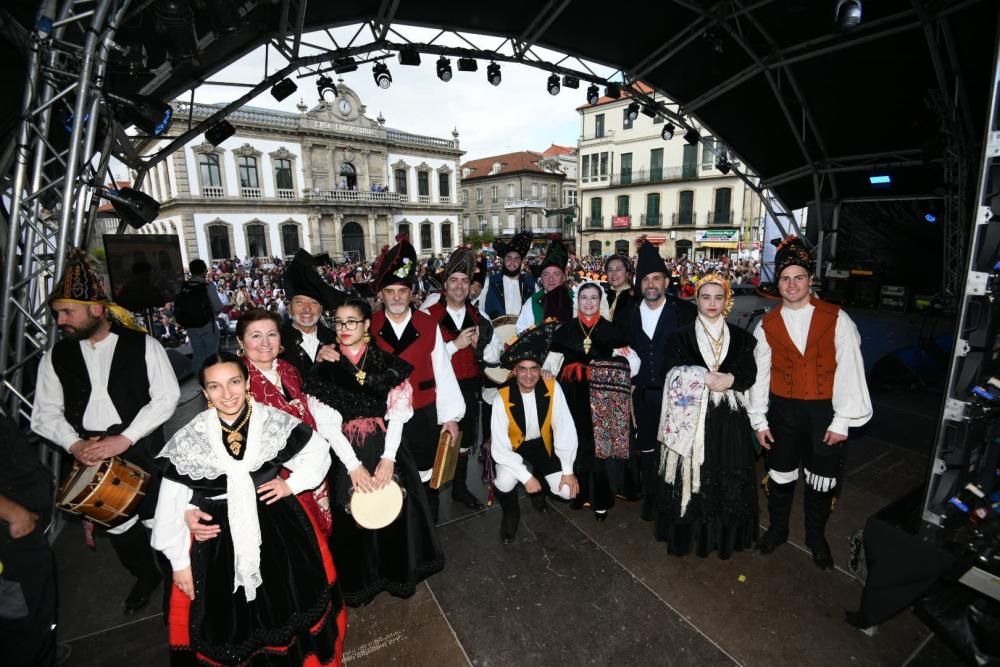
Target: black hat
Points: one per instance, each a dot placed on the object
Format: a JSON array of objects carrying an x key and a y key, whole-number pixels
[
  {"x": 435, "y": 281},
  {"x": 650, "y": 261},
  {"x": 555, "y": 255},
  {"x": 461, "y": 260},
  {"x": 521, "y": 244},
  {"x": 301, "y": 279},
  {"x": 791, "y": 252},
  {"x": 396, "y": 265},
  {"x": 533, "y": 344},
  {"x": 480, "y": 275}
]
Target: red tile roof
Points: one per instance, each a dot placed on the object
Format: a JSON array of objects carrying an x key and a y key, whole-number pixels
[
  {"x": 510, "y": 163},
  {"x": 556, "y": 149},
  {"x": 638, "y": 85}
]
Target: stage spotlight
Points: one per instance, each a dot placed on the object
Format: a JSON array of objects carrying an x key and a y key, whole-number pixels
[
  {"x": 283, "y": 89},
  {"x": 570, "y": 81},
  {"x": 382, "y": 77},
  {"x": 176, "y": 21},
  {"x": 613, "y": 90},
  {"x": 444, "y": 69},
  {"x": 667, "y": 133},
  {"x": 134, "y": 207},
  {"x": 632, "y": 112},
  {"x": 150, "y": 115},
  {"x": 493, "y": 74},
  {"x": 219, "y": 132},
  {"x": 468, "y": 65},
  {"x": 847, "y": 14},
  {"x": 930, "y": 218},
  {"x": 553, "y": 85},
  {"x": 880, "y": 180},
  {"x": 593, "y": 95},
  {"x": 692, "y": 136},
  {"x": 344, "y": 65},
  {"x": 409, "y": 57},
  {"x": 324, "y": 86},
  {"x": 650, "y": 110},
  {"x": 722, "y": 164}
]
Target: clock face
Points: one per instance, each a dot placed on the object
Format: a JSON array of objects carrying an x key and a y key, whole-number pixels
[{"x": 344, "y": 105}]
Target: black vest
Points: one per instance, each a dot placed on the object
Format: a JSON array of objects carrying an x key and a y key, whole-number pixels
[{"x": 652, "y": 353}]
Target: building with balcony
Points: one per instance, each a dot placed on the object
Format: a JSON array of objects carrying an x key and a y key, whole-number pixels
[
  {"x": 504, "y": 194},
  {"x": 327, "y": 179},
  {"x": 632, "y": 183}
]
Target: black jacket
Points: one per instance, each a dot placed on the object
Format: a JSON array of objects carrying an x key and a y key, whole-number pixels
[
  {"x": 655, "y": 362},
  {"x": 293, "y": 352}
]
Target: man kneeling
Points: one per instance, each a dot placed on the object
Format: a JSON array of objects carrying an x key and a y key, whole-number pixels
[{"x": 532, "y": 426}]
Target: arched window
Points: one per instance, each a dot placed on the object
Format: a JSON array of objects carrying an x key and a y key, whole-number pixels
[
  {"x": 621, "y": 247},
  {"x": 404, "y": 228},
  {"x": 256, "y": 240},
  {"x": 290, "y": 238},
  {"x": 594, "y": 248},
  {"x": 218, "y": 242},
  {"x": 446, "y": 242}
]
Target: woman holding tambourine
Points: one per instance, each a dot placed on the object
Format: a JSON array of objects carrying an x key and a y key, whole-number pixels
[{"x": 370, "y": 391}]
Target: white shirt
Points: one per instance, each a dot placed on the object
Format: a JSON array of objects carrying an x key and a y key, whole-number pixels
[
  {"x": 310, "y": 343},
  {"x": 48, "y": 414},
  {"x": 650, "y": 317},
  {"x": 512, "y": 295},
  {"x": 852, "y": 404},
  {"x": 563, "y": 433},
  {"x": 526, "y": 319},
  {"x": 449, "y": 402}
]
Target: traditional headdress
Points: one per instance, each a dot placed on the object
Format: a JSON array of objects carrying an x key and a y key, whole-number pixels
[
  {"x": 716, "y": 279},
  {"x": 461, "y": 260},
  {"x": 605, "y": 309},
  {"x": 650, "y": 261},
  {"x": 520, "y": 244},
  {"x": 301, "y": 279},
  {"x": 81, "y": 284},
  {"x": 435, "y": 281},
  {"x": 395, "y": 265},
  {"x": 532, "y": 345},
  {"x": 555, "y": 255},
  {"x": 791, "y": 252}
]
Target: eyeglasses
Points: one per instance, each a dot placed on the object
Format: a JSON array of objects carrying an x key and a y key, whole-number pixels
[{"x": 348, "y": 325}]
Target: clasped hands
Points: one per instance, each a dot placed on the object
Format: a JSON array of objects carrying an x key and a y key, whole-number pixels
[
  {"x": 269, "y": 492},
  {"x": 93, "y": 450}
]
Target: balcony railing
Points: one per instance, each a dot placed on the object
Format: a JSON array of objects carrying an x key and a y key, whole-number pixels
[
  {"x": 424, "y": 199},
  {"x": 720, "y": 217},
  {"x": 358, "y": 197},
  {"x": 444, "y": 199},
  {"x": 636, "y": 176},
  {"x": 285, "y": 193},
  {"x": 250, "y": 193},
  {"x": 684, "y": 219},
  {"x": 213, "y": 191},
  {"x": 652, "y": 219},
  {"x": 594, "y": 223}
]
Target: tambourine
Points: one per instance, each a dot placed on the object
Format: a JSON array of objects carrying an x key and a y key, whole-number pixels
[{"x": 377, "y": 509}]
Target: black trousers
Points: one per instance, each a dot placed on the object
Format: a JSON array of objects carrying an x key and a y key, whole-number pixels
[
  {"x": 472, "y": 390},
  {"x": 421, "y": 435},
  {"x": 29, "y": 561},
  {"x": 798, "y": 427}
]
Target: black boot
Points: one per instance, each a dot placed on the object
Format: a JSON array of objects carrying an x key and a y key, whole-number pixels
[
  {"x": 133, "y": 550},
  {"x": 779, "y": 508},
  {"x": 459, "y": 487},
  {"x": 649, "y": 464},
  {"x": 511, "y": 514},
  {"x": 434, "y": 500},
  {"x": 818, "y": 507}
]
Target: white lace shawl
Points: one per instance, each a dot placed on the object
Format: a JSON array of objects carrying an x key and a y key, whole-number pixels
[
  {"x": 197, "y": 451},
  {"x": 682, "y": 428},
  {"x": 735, "y": 399}
]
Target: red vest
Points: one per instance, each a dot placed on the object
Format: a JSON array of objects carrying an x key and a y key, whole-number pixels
[
  {"x": 414, "y": 347},
  {"x": 463, "y": 361},
  {"x": 806, "y": 376}
]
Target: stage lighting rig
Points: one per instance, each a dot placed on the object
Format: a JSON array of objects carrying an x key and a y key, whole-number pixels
[
  {"x": 493, "y": 74},
  {"x": 613, "y": 90},
  {"x": 326, "y": 89},
  {"x": 570, "y": 81},
  {"x": 632, "y": 112},
  {"x": 593, "y": 94},
  {"x": 847, "y": 15},
  {"x": 468, "y": 65},
  {"x": 722, "y": 164},
  {"x": 283, "y": 89},
  {"x": 553, "y": 85},
  {"x": 219, "y": 132},
  {"x": 344, "y": 65},
  {"x": 134, "y": 207},
  {"x": 381, "y": 75},
  {"x": 150, "y": 115},
  {"x": 409, "y": 56},
  {"x": 667, "y": 133},
  {"x": 444, "y": 69},
  {"x": 692, "y": 136},
  {"x": 176, "y": 21},
  {"x": 650, "y": 110}
]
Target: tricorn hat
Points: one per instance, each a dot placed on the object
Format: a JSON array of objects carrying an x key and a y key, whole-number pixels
[
  {"x": 301, "y": 279},
  {"x": 533, "y": 345},
  {"x": 521, "y": 244},
  {"x": 396, "y": 265}
]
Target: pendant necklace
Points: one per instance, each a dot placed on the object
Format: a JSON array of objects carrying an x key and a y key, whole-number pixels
[
  {"x": 586, "y": 335},
  {"x": 233, "y": 438},
  {"x": 360, "y": 374},
  {"x": 716, "y": 343}
]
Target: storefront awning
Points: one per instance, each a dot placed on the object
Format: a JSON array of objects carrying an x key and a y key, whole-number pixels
[{"x": 720, "y": 244}]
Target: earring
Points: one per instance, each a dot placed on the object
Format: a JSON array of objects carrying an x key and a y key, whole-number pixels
[
  {"x": 366, "y": 338},
  {"x": 336, "y": 338},
  {"x": 209, "y": 401},
  {"x": 281, "y": 349}
]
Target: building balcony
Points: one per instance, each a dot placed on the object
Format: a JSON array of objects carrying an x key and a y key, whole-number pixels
[
  {"x": 723, "y": 217},
  {"x": 643, "y": 176},
  {"x": 250, "y": 193},
  {"x": 423, "y": 199},
  {"x": 285, "y": 193},
  {"x": 444, "y": 199},
  {"x": 358, "y": 197},
  {"x": 684, "y": 219},
  {"x": 594, "y": 223},
  {"x": 652, "y": 219},
  {"x": 213, "y": 192}
]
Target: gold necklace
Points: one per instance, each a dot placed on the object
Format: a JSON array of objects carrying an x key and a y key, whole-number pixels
[
  {"x": 360, "y": 375},
  {"x": 586, "y": 334},
  {"x": 716, "y": 343},
  {"x": 234, "y": 439}
]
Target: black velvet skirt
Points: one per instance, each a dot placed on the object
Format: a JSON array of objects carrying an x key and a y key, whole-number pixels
[
  {"x": 395, "y": 558},
  {"x": 297, "y": 616}
]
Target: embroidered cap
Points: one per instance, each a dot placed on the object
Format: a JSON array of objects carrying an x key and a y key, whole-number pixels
[
  {"x": 791, "y": 252},
  {"x": 461, "y": 260},
  {"x": 79, "y": 281}
]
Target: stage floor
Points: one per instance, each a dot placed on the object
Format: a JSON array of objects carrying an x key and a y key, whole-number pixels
[{"x": 571, "y": 590}]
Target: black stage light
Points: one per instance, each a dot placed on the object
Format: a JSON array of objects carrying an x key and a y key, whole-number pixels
[
  {"x": 382, "y": 77},
  {"x": 283, "y": 89},
  {"x": 632, "y": 112},
  {"x": 722, "y": 164},
  {"x": 847, "y": 14},
  {"x": 493, "y": 74},
  {"x": 150, "y": 115},
  {"x": 592, "y": 94},
  {"x": 176, "y": 21},
  {"x": 324, "y": 86},
  {"x": 444, "y": 69},
  {"x": 649, "y": 110},
  {"x": 134, "y": 207},
  {"x": 667, "y": 133},
  {"x": 468, "y": 65},
  {"x": 219, "y": 132},
  {"x": 409, "y": 57},
  {"x": 570, "y": 81},
  {"x": 692, "y": 136},
  {"x": 613, "y": 90},
  {"x": 344, "y": 65},
  {"x": 553, "y": 85}
]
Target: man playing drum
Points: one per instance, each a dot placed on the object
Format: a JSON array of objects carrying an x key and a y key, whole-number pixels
[{"x": 105, "y": 390}]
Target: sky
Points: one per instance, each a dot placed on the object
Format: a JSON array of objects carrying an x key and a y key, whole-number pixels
[{"x": 519, "y": 114}]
